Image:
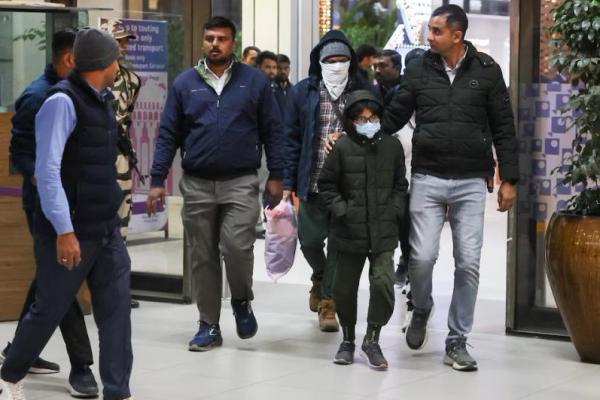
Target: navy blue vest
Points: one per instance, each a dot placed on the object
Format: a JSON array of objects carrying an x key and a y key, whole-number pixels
[{"x": 88, "y": 172}]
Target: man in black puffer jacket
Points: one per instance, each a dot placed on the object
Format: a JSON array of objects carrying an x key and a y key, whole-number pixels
[{"x": 462, "y": 109}]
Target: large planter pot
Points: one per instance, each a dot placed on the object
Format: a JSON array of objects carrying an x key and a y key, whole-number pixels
[{"x": 573, "y": 268}]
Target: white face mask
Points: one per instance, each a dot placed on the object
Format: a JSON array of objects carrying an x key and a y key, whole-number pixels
[{"x": 335, "y": 77}]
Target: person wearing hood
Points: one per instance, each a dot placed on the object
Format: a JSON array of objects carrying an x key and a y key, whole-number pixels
[
  {"x": 363, "y": 185},
  {"x": 463, "y": 114},
  {"x": 313, "y": 113}
]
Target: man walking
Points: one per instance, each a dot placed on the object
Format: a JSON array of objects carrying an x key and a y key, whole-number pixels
[
  {"x": 22, "y": 151},
  {"x": 76, "y": 226},
  {"x": 462, "y": 110},
  {"x": 220, "y": 114},
  {"x": 314, "y": 112}
]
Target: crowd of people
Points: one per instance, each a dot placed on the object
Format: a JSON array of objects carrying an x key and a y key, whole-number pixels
[{"x": 351, "y": 141}]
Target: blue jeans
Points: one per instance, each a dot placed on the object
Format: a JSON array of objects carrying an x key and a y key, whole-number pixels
[{"x": 465, "y": 200}]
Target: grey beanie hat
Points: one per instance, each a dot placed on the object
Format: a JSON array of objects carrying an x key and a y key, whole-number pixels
[
  {"x": 334, "y": 48},
  {"x": 94, "y": 49}
]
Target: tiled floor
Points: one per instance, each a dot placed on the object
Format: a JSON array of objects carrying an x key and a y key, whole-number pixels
[{"x": 290, "y": 359}]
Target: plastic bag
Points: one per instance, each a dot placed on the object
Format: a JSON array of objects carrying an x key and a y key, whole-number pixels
[{"x": 280, "y": 240}]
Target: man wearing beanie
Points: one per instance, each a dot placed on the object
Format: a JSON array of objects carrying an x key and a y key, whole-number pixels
[
  {"x": 314, "y": 112},
  {"x": 76, "y": 226}
]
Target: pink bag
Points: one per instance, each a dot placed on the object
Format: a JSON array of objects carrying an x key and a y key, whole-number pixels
[{"x": 280, "y": 240}]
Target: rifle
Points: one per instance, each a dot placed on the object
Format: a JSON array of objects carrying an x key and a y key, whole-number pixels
[{"x": 126, "y": 148}]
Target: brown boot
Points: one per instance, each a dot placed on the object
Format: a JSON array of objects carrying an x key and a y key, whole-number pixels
[
  {"x": 315, "y": 297},
  {"x": 327, "y": 321}
]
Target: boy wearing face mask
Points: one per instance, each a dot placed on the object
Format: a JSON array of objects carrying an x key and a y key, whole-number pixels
[
  {"x": 363, "y": 185},
  {"x": 314, "y": 112}
]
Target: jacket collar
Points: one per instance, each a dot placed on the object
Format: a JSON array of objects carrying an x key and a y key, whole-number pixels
[
  {"x": 76, "y": 79},
  {"x": 364, "y": 141},
  {"x": 437, "y": 62}
]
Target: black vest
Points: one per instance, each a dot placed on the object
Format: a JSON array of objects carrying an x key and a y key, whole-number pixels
[{"x": 88, "y": 172}]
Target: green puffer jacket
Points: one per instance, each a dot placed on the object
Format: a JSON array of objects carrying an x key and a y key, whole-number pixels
[
  {"x": 456, "y": 123},
  {"x": 364, "y": 186}
]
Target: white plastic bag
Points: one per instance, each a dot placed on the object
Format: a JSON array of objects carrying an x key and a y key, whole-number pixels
[{"x": 281, "y": 239}]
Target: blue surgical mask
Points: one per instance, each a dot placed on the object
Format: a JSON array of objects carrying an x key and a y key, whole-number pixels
[{"x": 368, "y": 129}]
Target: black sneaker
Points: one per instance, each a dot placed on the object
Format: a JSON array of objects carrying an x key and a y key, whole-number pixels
[
  {"x": 416, "y": 334},
  {"x": 244, "y": 318},
  {"x": 373, "y": 355},
  {"x": 39, "y": 367},
  {"x": 82, "y": 384},
  {"x": 458, "y": 357},
  {"x": 345, "y": 354}
]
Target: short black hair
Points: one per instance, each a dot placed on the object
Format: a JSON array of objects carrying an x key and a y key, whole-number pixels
[
  {"x": 220, "y": 22},
  {"x": 394, "y": 56},
  {"x": 62, "y": 41},
  {"x": 455, "y": 17},
  {"x": 282, "y": 58},
  {"x": 265, "y": 55},
  {"x": 249, "y": 49},
  {"x": 365, "y": 50}
]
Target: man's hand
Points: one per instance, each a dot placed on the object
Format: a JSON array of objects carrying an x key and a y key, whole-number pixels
[
  {"x": 156, "y": 196},
  {"x": 506, "y": 196},
  {"x": 275, "y": 189},
  {"x": 67, "y": 250},
  {"x": 331, "y": 139}
]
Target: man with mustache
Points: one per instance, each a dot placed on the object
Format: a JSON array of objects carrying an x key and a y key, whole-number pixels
[{"x": 220, "y": 114}]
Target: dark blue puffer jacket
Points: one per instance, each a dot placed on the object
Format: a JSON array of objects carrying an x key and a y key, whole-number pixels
[{"x": 220, "y": 137}]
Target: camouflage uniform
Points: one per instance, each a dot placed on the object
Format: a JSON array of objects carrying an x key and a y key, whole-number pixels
[{"x": 126, "y": 90}]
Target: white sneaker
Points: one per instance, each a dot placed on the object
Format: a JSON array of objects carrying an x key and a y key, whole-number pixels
[{"x": 13, "y": 391}]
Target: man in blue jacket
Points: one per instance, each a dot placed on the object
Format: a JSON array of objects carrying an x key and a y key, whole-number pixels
[
  {"x": 220, "y": 114},
  {"x": 22, "y": 153},
  {"x": 314, "y": 112}
]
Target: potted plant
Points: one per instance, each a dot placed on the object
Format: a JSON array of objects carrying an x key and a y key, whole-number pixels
[{"x": 573, "y": 235}]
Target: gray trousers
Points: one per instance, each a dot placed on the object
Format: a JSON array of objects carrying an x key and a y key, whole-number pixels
[
  {"x": 465, "y": 198},
  {"x": 219, "y": 218}
]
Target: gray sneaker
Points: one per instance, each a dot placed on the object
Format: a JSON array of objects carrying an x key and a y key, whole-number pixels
[
  {"x": 458, "y": 357},
  {"x": 373, "y": 355},
  {"x": 345, "y": 354},
  {"x": 416, "y": 334}
]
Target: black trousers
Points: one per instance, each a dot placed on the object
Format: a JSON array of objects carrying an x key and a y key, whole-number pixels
[{"x": 72, "y": 326}]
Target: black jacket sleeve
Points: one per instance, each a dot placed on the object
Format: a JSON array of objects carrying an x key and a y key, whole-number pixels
[
  {"x": 402, "y": 106},
  {"x": 329, "y": 184},
  {"x": 502, "y": 126},
  {"x": 400, "y": 182}
]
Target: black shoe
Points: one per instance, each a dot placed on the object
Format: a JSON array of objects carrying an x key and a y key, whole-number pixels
[
  {"x": 458, "y": 357},
  {"x": 82, "y": 384},
  {"x": 401, "y": 274},
  {"x": 39, "y": 367},
  {"x": 244, "y": 318},
  {"x": 345, "y": 354},
  {"x": 135, "y": 303},
  {"x": 260, "y": 235},
  {"x": 373, "y": 355},
  {"x": 416, "y": 334}
]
